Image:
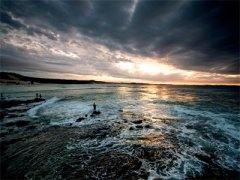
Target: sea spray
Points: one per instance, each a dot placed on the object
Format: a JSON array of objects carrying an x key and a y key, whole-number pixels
[{"x": 33, "y": 111}]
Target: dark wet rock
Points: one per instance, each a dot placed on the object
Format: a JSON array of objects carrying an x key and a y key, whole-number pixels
[
  {"x": 14, "y": 115},
  {"x": 80, "y": 119},
  {"x": 2, "y": 114},
  {"x": 18, "y": 109},
  {"x": 139, "y": 126},
  {"x": 125, "y": 120},
  {"x": 31, "y": 127},
  {"x": 4, "y": 144},
  {"x": 112, "y": 166},
  {"x": 10, "y": 130},
  {"x": 211, "y": 170},
  {"x": 188, "y": 141},
  {"x": 154, "y": 153},
  {"x": 189, "y": 126},
  {"x": 44, "y": 155},
  {"x": 131, "y": 128},
  {"x": 220, "y": 136},
  {"x": 120, "y": 110},
  {"x": 108, "y": 165},
  {"x": 12, "y": 103},
  {"x": 19, "y": 123},
  {"x": 136, "y": 146},
  {"x": 48, "y": 143},
  {"x": 96, "y": 112},
  {"x": 3, "y": 133},
  {"x": 137, "y": 122},
  {"x": 204, "y": 158},
  {"x": 143, "y": 174},
  {"x": 147, "y": 126}
]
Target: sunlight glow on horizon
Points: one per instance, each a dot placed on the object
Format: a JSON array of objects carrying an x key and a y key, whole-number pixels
[
  {"x": 147, "y": 68},
  {"x": 150, "y": 68}
]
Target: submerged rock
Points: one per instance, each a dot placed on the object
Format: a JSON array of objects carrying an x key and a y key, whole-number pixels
[
  {"x": 2, "y": 114},
  {"x": 31, "y": 127},
  {"x": 139, "y": 126},
  {"x": 94, "y": 113},
  {"x": 147, "y": 126},
  {"x": 80, "y": 119},
  {"x": 131, "y": 128},
  {"x": 3, "y": 133},
  {"x": 137, "y": 122},
  {"x": 212, "y": 170},
  {"x": 107, "y": 165},
  {"x": 12, "y": 103},
  {"x": 45, "y": 154},
  {"x": 14, "y": 115},
  {"x": 112, "y": 165},
  {"x": 19, "y": 123}
]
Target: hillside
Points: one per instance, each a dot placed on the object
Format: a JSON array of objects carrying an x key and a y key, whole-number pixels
[{"x": 13, "y": 78}]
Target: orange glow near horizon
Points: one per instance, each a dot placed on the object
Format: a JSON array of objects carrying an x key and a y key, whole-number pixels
[
  {"x": 192, "y": 80},
  {"x": 152, "y": 69},
  {"x": 87, "y": 58},
  {"x": 146, "y": 68}
]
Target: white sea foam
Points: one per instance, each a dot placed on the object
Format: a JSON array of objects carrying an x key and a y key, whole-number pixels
[
  {"x": 217, "y": 120},
  {"x": 33, "y": 111}
]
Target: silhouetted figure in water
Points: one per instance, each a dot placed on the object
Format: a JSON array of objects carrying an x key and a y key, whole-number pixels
[
  {"x": 95, "y": 112},
  {"x": 2, "y": 96},
  {"x": 40, "y": 96},
  {"x": 36, "y": 95}
]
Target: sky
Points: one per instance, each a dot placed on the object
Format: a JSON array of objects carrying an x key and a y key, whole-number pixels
[{"x": 177, "y": 42}]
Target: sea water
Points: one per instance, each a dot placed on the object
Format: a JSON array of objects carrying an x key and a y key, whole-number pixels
[{"x": 188, "y": 120}]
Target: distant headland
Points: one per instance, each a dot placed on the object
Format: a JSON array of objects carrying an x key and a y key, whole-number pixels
[{"x": 14, "y": 78}]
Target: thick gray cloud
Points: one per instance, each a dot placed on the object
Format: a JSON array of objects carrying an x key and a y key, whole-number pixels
[{"x": 194, "y": 35}]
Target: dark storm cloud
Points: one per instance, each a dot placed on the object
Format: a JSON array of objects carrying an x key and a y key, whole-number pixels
[
  {"x": 195, "y": 35},
  {"x": 7, "y": 19}
]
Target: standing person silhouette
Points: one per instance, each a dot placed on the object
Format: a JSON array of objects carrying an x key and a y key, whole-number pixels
[{"x": 94, "y": 106}]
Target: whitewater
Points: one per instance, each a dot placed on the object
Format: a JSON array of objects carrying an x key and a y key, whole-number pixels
[{"x": 189, "y": 122}]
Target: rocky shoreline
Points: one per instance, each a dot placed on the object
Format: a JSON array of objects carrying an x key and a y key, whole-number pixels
[{"x": 37, "y": 150}]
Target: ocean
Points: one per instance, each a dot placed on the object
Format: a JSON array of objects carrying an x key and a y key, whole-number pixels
[{"x": 192, "y": 125}]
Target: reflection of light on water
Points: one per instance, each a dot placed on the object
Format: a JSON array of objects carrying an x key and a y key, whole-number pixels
[
  {"x": 123, "y": 90},
  {"x": 168, "y": 94},
  {"x": 150, "y": 140},
  {"x": 164, "y": 93},
  {"x": 150, "y": 93},
  {"x": 147, "y": 97}
]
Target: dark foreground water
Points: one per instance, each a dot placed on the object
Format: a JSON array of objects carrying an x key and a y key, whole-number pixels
[{"x": 174, "y": 131}]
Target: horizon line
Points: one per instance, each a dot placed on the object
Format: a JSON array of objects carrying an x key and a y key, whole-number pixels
[{"x": 121, "y": 82}]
